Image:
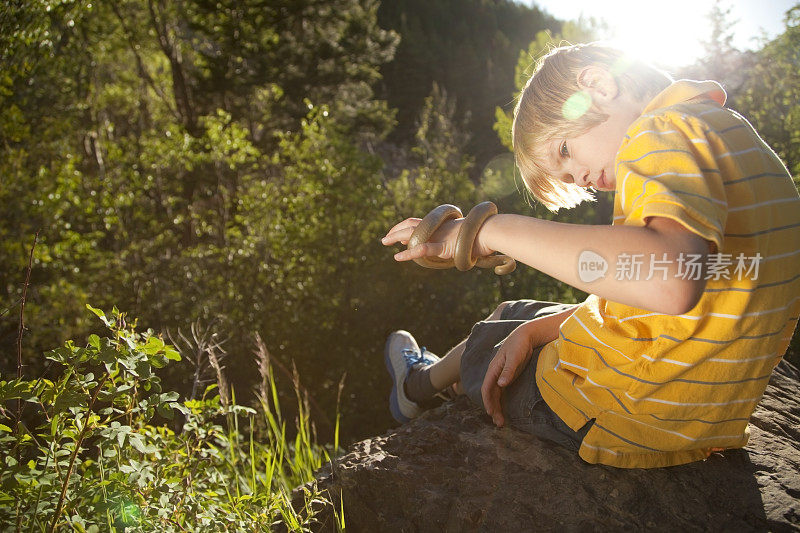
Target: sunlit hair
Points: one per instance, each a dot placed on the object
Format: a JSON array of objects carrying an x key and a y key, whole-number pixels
[{"x": 552, "y": 106}]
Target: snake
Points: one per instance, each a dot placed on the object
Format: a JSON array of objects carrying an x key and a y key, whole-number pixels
[{"x": 462, "y": 256}]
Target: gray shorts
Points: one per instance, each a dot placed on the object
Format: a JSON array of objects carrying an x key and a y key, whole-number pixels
[{"x": 523, "y": 405}]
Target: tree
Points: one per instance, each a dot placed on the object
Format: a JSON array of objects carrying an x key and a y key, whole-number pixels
[
  {"x": 133, "y": 132},
  {"x": 466, "y": 47},
  {"x": 721, "y": 60},
  {"x": 44, "y": 77},
  {"x": 770, "y": 96}
]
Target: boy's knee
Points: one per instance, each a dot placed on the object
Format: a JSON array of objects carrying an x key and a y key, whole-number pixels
[{"x": 499, "y": 311}]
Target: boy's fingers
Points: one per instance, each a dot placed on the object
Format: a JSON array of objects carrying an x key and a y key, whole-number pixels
[
  {"x": 421, "y": 250},
  {"x": 507, "y": 375},
  {"x": 407, "y": 223},
  {"x": 509, "y": 372},
  {"x": 514, "y": 362},
  {"x": 491, "y": 400},
  {"x": 401, "y": 235},
  {"x": 490, "y": 392},
  {"x": 487, "y": 392},
  {"x": 404, "y": 223}
]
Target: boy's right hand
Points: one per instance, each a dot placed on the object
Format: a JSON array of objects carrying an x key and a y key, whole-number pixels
[
  {"x": 441, "y": 244},
  {"x": 504, "y": 368}
]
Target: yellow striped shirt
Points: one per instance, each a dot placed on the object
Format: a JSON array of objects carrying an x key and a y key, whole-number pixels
[{"x": 667, "y": 389}]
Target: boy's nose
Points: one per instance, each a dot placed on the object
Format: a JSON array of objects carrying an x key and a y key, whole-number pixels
[{"x": 582, "y": 178}]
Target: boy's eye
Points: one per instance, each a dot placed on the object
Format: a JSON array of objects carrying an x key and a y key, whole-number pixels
[{"x": 562, "y": 150}]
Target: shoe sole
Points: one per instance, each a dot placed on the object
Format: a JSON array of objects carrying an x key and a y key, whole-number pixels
[{"x": 394, "y": 405}]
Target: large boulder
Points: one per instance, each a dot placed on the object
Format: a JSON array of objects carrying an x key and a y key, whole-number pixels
[{"x": 452, "y": 470}]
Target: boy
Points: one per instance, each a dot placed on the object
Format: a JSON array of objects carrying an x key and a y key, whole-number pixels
[{"x": 693, "y": 288}]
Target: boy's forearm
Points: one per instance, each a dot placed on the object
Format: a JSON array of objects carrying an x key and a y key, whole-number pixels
[
  {"x": 555, "y": 248},
  {"x": 545, "y": 329}
]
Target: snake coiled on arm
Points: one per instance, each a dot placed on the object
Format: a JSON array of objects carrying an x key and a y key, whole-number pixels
[{"x": 465, "y": 241}]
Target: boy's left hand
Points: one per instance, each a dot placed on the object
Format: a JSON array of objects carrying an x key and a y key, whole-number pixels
[
  {"x": 442, "y": 243},
  {"x": 504, "y": 368}
]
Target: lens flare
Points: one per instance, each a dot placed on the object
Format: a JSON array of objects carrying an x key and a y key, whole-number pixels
[
  {"x": 498, "y": 178},
  {"x": 576, "y": 105},
  {"x": 129, "y": 512}
]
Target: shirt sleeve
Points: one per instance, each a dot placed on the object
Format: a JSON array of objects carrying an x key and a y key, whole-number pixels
[{"x": 665, "y": 167}]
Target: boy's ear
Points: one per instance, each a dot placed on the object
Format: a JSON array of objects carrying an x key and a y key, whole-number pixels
[{"x": 599, "y": 83}]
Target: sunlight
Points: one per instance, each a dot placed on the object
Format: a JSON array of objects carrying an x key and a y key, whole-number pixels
[{"x": 668, "y": 34}]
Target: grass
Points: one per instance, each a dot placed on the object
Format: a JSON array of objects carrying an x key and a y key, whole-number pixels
[{"x": 90, "y": 454}]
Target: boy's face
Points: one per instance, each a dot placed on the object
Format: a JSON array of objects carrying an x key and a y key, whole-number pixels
[{"x": 588, "y": 159}]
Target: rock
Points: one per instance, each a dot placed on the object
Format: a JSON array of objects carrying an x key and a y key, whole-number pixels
[{"x": 452, "y": 470}]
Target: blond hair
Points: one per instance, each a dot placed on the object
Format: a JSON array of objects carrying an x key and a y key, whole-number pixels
[{"x": 552, "y": 105}]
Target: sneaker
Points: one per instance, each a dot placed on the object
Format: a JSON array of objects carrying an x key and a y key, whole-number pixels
[{"x": 401, "y": 354}]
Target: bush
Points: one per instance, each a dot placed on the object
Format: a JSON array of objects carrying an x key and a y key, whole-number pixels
[{"x": 93, "y": 457}]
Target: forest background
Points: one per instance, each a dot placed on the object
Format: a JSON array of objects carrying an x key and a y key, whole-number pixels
[{"x": 227, "y": 168}]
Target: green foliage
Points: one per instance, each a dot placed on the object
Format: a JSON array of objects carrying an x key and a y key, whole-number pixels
[
  {"x": 468, "y": 48},
  {"x": 91, "y": 457},
  {"x": 440, "y": 174},
  {"x": 770, "y": 97},
  {"x": 172, "y": 141}
]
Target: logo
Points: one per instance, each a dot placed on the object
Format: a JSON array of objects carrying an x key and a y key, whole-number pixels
[{"x": 591, "y": 266}]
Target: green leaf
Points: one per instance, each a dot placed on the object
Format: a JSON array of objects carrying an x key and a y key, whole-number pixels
[
  {"x": 165, "y": 410},
  {"x": 171, "y": 353},
  {"x": 101, "y": 315},
  {"x": 96, "y": 311},
  {"x": 153, "y": 345},
  {"x": 94, "y": 341},
  {"x": 138, "y": 443}
]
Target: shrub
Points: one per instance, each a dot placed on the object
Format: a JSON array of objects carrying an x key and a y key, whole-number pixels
[{"x": 90, "y": 449}]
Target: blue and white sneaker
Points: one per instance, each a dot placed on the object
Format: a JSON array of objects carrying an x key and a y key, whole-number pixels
[{"x": 401, "y": 354}]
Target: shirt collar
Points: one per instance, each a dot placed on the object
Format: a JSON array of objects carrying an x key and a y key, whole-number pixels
[{"x": 685, "y": 90}]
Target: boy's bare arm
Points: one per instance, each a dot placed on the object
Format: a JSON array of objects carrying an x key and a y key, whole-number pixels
[
  {"x": 545, "y": 329},
  {"x": 554, "y": 248}
]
